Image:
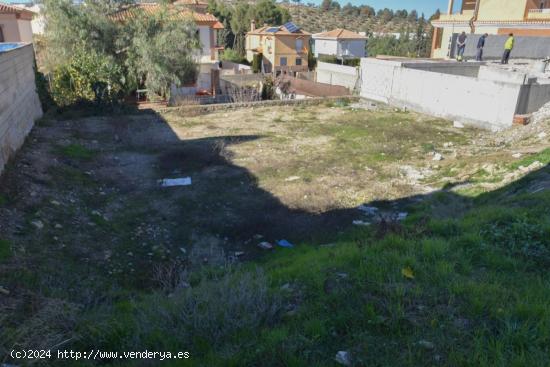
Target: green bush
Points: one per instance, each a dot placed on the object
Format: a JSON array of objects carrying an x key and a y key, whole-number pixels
[
  {"x": 331, "y": 59},
  {"x": 88, "y": 76},
  {"x": 233, "y": 56},
  {"x": 257, "y": 63},
  {"x": 268, "y": 89}
]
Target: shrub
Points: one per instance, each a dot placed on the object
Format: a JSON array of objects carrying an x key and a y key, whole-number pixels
[
  {"x": 88, "y": 76},
  {"x": 257, "y": 63},
  {"x": 521, "y": 236},
  {"x": 268, "y": 89},
  {"x": 233, "y": 56}
]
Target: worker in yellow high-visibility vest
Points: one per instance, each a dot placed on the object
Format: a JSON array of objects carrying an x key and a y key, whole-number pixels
[{"x": 508, "y": 47}]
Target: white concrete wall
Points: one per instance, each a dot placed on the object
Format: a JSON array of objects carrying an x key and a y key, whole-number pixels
[
  {"x": 325, "y": 47},
  {"x": 345, "y": 76},
  {"x": 348, "y": 48},
  {"x": 204, "y": 37},
  {"x": 25, "y": 31},
  {"x": 352, "y": 48},
  {"x": 10, "y": 29},
  {"x": 484, "y": 103},
  {"x": 19, "y": 103}
]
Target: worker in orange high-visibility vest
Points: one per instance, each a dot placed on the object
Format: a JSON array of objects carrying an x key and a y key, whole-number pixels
[{"x": 508, "y": 47}]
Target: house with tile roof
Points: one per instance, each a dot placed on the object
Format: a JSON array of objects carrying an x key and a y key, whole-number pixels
[
  {"x": 15, "y": 24},
  {"x": 207, "y": 23},
  {"x": 495, "y": 17},
  {"x": 340, "y": 43},
  {"x": 207, "y": 27},
  {"x": 281, "y": 48}
]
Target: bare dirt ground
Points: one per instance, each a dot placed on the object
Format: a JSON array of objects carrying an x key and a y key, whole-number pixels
[{"x": 85, "y": 221}]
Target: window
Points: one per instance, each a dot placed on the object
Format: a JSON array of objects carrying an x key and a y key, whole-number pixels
[
  {"x": 299, "y": 45},
  {"x": 298, "y": 61},
  {"x": 2, "y": 33},
  {"x": 283, "y": 61}
]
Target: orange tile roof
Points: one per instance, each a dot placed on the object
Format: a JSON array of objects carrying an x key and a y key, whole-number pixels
[
  {"x": 132, "y": 11},
  {"x": 282, "y": 31},
  {"x": 10, "y": 9},
  {"x": 340, "y": 33}
]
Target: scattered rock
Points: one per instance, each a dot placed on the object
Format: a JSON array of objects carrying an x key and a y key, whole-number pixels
[
  {"x": 343, "y": 357},
  {"x": 265, "y": 245},
  {"x": 448, "y": 145},
  {"x": 58, "y": 226},
  {"x": 360, "y": 223},
  {"x": 541, "y": 135},
  {"x": 426, "y": 344},
  {"x": 285, "y": 287},
  {"x": 4, "y": 291},
  {"x": 38, "y": 224},
  {"x": 458, "y": 125},
  {"x": 370, "y": 210},
  {"x": 402, "y": 216},
  {"x": 437, "y": 157},
  {"x": 55, "y": 202},
  {"x": 292, "y": 178},
  {"x": 239, "y": 253},
  {"x": 516, "y": 155}
]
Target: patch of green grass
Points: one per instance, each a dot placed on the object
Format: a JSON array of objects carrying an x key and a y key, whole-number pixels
[
  {"x": 76, "y": 151},
  {"x": 478, "y": 295},
  {"x": 3, "y": 200},
  {"x": 5, "y": 250},
  {"x": 543, "y": 157}
]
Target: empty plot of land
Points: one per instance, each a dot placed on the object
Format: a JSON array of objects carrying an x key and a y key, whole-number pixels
[{"x": 83, "y": 216}]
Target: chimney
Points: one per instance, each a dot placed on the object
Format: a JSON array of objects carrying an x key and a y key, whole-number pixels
[{"x": 253, "y": 25}]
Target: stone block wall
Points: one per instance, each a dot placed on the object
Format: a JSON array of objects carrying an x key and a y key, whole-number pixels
[{"x": 19, "y": 102}]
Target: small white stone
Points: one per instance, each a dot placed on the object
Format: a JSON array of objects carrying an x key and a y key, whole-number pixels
[{"x": 343, "y": 358}]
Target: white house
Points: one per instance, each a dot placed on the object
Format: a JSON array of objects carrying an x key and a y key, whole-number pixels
[
  {"x": 340, "y": 43},
  {"x": 15, "y": 24}
]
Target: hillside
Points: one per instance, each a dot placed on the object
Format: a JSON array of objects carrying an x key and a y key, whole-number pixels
[{"x": 315, "y": 19}]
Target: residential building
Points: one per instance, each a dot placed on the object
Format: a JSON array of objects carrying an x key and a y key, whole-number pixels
[
  {"x": 495, "y": 17},
  {"x": 38, "y": 21},
  {"x": 340, "y": 43},
  {"x": 207, "y": 24},
  {"x": 282, "y": 48},
  {"x": 15, "y": 24}
]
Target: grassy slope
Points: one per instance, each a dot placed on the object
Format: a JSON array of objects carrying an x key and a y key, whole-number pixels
[{"x": 479, "y": 295}]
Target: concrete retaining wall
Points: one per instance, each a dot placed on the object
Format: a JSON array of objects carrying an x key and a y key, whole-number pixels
[
  {"x": 484, "y": 103},
  {"x": 524, "y": 48},
  {"x": 341, "y": 75},
  {"x": 19, "y": 103}
]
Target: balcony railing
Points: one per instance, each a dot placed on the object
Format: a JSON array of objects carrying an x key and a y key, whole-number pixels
[{"x": 538, "y": 14}]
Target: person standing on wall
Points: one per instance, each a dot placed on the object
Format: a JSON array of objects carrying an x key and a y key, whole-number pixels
[
  {"x": 461, "y": 46},
  {"x": 508, "y": 47},
  {"x": 480, "y": 45}
]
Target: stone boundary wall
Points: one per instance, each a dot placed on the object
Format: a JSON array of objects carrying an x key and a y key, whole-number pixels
[
  {"x": 204, "y": 109},
  {"x": 19, "y": 102}
]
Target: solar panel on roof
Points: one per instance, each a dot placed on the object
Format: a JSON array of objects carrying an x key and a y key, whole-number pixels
[
  {"x": 272, "y": 29},
  {"x": 291, "y": 27}
]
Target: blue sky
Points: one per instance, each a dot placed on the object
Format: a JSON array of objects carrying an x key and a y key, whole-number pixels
[{"x": 427, "y": 7}]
